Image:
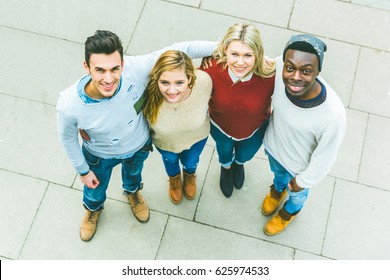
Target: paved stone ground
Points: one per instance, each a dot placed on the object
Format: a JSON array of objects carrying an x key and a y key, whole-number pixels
[{"x": 41, "y": 53}]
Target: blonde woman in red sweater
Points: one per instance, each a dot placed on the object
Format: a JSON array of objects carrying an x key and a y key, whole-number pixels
[{"x": 239, "y": 108}]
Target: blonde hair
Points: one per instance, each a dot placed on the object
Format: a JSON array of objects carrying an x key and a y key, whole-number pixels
[
  {"x": 168, "y": 61},
  {"x": 249, "y": 35}
]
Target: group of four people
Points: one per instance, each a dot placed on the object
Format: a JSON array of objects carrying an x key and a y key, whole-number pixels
[{"x": 240, "y": 97}]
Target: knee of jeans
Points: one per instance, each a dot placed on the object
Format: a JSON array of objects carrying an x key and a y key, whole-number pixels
[
  {"x": 171, "y": 159},
  {"x": 299, "y": 196},
  {"x": 190, "y": 167}
]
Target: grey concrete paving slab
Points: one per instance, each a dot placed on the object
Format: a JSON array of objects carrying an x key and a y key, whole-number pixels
[
  {"x": 19, "y": 202},
  {"x": 357, "y": 227},
  {"x": 55, "y": 233},
  {"x": 191, "y": 241},
  {"x": 193, "y": 3},
  {"x": 184, "y": 24},
  {"x": 44, "y": 66},
  {"x": 29, "y": 143},
  {"x": 384, "y": 4},
  {"x": 256, "y": 10},
  {"x": 274, "y": 38},
  {"x": 72, "y": 20},
  {"x": 371, "y": 90},
  {"x": 348, "y": 23},
  {"x": 155, "y": 189},
  {"x": 301, "y": 255},
  {"x": 374, "y": 169},
  {"x": 339, "y": 67},
  {"x": 349, "y": 155},
  {"x": 241, "y": 212}
]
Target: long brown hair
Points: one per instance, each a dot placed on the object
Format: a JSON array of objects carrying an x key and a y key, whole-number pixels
[{"x": 168, "y": 61}]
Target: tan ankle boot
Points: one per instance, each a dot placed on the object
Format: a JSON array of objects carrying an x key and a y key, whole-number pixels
[
  {"x": 189, "y": 187},
  {"x": 175, "y": 189},
  {"x": 272, "y": 201},
  {"x": 89, "y": 224},
  {"x": 139, "y": 206}
]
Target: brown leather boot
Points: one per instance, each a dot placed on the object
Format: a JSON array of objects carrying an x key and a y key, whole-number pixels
[
  {"x": 175, "y": 189},
  {"x": 89, "y": 224},
  {"x": 278, "y": 223},
  {"x": 272, "y": 201},
  {"x": 189, "y": 185},
  {"x": 139, "y": 206}
]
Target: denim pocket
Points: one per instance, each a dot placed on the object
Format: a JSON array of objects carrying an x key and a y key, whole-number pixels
[{"x": 90, "y": 158}]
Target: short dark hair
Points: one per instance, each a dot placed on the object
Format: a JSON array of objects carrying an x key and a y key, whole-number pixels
[{"x": 102, "y": 41}]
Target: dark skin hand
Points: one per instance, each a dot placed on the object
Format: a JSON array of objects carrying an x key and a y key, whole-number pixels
[
  {"x": 293, "y": 186},
  {"x": 84, "y": 135},
  {"x": 206, "y": 62}
]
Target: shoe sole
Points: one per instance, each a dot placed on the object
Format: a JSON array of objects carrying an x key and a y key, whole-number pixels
[
  {"x": 269, "y": 233},
  {"x": 87, "y": 240},
  {"x": 266, "y": 214},
  {"x": 141, "y": 221}
]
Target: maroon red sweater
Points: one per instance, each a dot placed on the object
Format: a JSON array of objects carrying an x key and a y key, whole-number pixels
[{"x": 239, "y": 109}]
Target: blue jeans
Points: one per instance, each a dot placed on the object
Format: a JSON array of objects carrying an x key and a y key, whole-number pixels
[
  {"x": 188, "y": 158},
  {"x": 131, "y": 175},
  {"x": 230, "y": 150},
  {"x": 282, "y": 177}
]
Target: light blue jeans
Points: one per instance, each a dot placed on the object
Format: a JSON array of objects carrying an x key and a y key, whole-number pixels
[
  {"x": 282, "y": 177},
  {"x": 131, "y": 175}
]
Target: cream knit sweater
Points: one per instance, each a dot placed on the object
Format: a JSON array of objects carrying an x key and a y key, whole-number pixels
[{"x": 180, "y": 125}]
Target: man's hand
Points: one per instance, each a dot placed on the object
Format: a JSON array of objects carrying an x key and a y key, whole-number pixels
[
  {"x": 90, "y": 180},
  {"x": 293, "y": 186},
  {"x": 207, "y": 62},
  {"x": 84, "y": 135}
]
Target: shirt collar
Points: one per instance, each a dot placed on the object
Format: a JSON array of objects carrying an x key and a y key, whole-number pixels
[{"x": 235, "y": 79}]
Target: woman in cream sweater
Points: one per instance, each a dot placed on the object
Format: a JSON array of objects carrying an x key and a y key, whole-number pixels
[{"x": 176, "y": 106}]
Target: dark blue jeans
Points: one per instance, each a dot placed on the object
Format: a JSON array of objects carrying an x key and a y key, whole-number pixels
[
  {"x": 230, "y": 150},
  {"x": 188, "y": 158},
  {"x": 131, "y": 175}
]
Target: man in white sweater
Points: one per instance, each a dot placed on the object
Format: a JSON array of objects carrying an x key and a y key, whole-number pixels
[
  {"x": 106, "y": 104},
  {"x": 306, "y": 128}
]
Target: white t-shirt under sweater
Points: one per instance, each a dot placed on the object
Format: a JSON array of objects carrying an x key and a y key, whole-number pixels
[
  {"x": 181, "y": 125},
  {"x": 113, "y": 125},
  {"x": 305, "y": 141}
]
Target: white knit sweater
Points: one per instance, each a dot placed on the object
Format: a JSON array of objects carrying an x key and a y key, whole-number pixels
[{"x": 305, "y": 140}]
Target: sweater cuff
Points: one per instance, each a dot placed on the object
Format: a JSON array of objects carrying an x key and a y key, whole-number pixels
[{"x": 83, "y": 169}]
